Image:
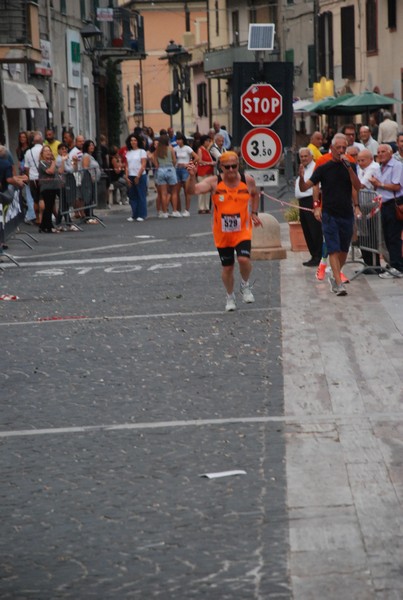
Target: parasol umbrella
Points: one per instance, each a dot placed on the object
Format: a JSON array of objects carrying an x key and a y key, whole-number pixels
[
  {"x": 365, "y": 102},
  {"x": 300, "y": 105},
  {"x": 327, "y": 105}
]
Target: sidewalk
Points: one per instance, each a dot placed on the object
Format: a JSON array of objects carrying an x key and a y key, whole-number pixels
[{"x": 343, "y": 385}]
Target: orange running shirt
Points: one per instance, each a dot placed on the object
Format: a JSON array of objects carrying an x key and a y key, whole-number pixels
[{"x": 232, "y": 220}]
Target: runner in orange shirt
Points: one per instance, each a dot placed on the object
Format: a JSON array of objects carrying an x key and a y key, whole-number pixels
[{"x": 235, "y": 200}]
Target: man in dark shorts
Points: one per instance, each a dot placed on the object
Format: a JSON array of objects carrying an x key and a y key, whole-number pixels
[
  {"x": 339, "y": 186},
  {"x": 235, "y": 201}
]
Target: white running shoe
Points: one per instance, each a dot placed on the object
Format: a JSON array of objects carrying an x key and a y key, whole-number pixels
[
  {"x": 139, "y": 219},
  {"x": 163, "y": 215},
  {"x": 230, "y": 304},
  {"x": 130, "y": 219},
  {"x": 185, "y": 213},
  {"x": 390, "y": 273},
  {"x": 246, "y": 292},
  {"x": 341, "y": 290},
  {"x": 176, "y": 214}
]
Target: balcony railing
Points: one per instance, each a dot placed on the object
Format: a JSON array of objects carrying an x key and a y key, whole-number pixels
[{"x": 19, "y": 31}]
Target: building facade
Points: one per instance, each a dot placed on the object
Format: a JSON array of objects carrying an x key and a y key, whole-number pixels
[{"x": 46, "y": 77}]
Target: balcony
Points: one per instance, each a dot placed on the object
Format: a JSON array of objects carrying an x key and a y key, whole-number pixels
[
  {"x": 218, "y": 63},
  {"x": 19, "y": 32},
  {"x": 124, "y": 37}
]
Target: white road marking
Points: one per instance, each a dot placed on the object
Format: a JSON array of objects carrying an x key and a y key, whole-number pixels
[
  {"x": 322, "y": 418},
  {"x": 96, "y": 249},
  {"x": 175, "y": 315},
  {"x": 114, "y": 259}
]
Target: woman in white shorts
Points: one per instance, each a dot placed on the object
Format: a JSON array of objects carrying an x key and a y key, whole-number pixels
[{"x": 184, "y": 154}]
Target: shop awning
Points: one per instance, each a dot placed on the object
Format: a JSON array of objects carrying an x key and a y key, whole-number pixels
[{"x": 22, "y": 95}]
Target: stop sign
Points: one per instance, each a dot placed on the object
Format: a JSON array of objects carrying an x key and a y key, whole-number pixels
[{"x": 261, "y": 104}]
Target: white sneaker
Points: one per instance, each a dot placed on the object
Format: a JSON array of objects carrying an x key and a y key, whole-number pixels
[
  {"x": 163, "y": 215},
  {"x": 139, "y": 219},
  {"x": 130, "y": 219},
  {"x": 246, "y": 292},
  {"x": 176, "y": 214},
  {"x": 230, "y": 304},
  {"x": 185, "y": 213},
  {"x": 390, "y": 273}
]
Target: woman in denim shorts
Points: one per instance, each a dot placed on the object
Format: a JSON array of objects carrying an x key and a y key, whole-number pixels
[{"x": 164, "y": 160}]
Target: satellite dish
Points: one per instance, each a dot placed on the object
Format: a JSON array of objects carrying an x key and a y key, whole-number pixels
[{"x": 170, "y": 104}]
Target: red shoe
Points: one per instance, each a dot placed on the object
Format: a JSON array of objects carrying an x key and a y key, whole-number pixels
[
  {"x": 343, "y": 278},
  {"x": 321, "y": 271}
]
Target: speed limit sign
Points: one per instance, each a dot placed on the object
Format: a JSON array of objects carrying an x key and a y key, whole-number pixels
[{"x": 261, "y": 148}]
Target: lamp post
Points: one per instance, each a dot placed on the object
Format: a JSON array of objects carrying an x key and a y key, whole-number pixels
[
  {"x": 91, "y": 37},
  {"x": 178, "y": 58}
]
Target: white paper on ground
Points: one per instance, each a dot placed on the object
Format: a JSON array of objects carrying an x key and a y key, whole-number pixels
[{"x": 222, "y": 474}]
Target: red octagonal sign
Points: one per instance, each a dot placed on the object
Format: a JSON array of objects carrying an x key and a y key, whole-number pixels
[{"x": 261, "y": 104}]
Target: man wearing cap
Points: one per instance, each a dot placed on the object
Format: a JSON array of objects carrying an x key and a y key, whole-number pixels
[{"x": 235, "y": 200}]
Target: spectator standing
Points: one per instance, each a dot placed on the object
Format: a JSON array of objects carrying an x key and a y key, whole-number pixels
[
  {"x": 315, "y": 144},
  {"x": 68, "y": 139},
  {"x": 227, "y": 139},
  {"x": 217, "y": 148},
  {"x": 49, "y": 188},
  {"x": 51, "y": 141},
  {"x": 6, "y": 170},
  {"x": 351, "y": 134},
  {"x": 171, "y": 136},
  {"x": 164, "y": 159},
  {"x": 136, "y": 177},
  {"x": 31, "y": 169},
  {"x": 117, "y": 176},
  {"x": 388, "y": 131},
  {"x": 368, "y": 168},
  {"x": 64, "y": 166},
  {"x": 311, "y": 227},
  {"x": 398, "y": 155},
  {"x": 184, "y": 154},
  {"x": 373, "y": 126},
  {"x": 22, "y": 147},
  {"x": 89, "y": 162},
  {"x": 205, "y": 168},
  {"x": 339, "y": 183},
  {"x": 368, "y": 141},
  {"x": 389, "y": 185},
  {"x": 76, "y": 157}
]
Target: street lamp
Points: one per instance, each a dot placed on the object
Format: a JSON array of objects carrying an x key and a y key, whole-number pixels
[
  {"x": 178, "y": 58},
  {"x": 91, "y": 37}
]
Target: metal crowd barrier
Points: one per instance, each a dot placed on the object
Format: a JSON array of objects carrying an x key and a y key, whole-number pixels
[
  {"x": 369, "y": 232},
  {"x": 79, "y": 193},
  {"x": 11, "y": 215}
]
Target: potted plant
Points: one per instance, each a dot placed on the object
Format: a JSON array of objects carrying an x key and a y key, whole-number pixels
[{"x": 292, "y": 216}]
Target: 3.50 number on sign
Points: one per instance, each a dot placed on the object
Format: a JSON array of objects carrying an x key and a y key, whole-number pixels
[{"x": 261, "y": 148}]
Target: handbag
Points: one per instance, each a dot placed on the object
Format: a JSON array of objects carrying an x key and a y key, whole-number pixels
[{"x": 399, "y": 209}]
